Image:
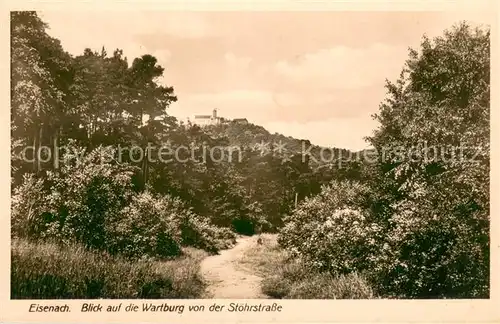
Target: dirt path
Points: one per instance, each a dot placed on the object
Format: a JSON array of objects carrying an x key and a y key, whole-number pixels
[{"x": 226, "y": 278}]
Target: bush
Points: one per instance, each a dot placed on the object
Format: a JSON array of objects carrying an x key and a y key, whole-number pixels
[
  {"x": 147, "y": 227},
  {"x": 159, "y": 225},
  {"x": 29, "y": 208},
  {"x": 430, "y": 252},
  {"x": 48, "y": 271},
  {"x": 329, "y": 235},
  {"x": 95, "y": 203},
  {"x": 200, "y": 233},
  {"x": 78, "y": 202}
]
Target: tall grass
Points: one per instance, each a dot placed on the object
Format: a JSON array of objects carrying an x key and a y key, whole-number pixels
[
  {"x": 290, "y": 278},
  {"x": 42, "y": 270},
  {"x": 295, "y": 280}
]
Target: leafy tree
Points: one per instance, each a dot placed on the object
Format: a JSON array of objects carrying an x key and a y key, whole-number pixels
[
  {"x": 437, "y": 206},
  {"x": 40, "y": 74}
]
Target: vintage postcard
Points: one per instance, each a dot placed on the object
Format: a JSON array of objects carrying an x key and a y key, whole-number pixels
[{"x": 232, "y": 162}]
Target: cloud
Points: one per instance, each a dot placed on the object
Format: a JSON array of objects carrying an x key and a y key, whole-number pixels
[
  {"x": 316, "y": 74},
  {"x": 264, "y": 106},
  {"x": 260, "y": 107},
  {"x": 126, "y": 23},
  {"x": 163, "y": 56},
  {"x": 182, "y": 25},
  {"x": 256, "y": 105},
  {"x": 343, "y": 67},
  {"x": 78, "y": 30},
  {"x": 334, "y": 132},
  {"x": 237, "y": 62}
]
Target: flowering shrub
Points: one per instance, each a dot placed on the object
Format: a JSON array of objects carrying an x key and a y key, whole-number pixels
[
  {"x": 79, "y": 202},
  {"x": 147, "y": 227},
  {"x": 425, "y": 228},
  {"x": 427, "y": 247},
  {"x": 96, "y": 204},
  {"x": 28, "y": 206},
  {"x": 200, "y": 233},
  {"x": 434, "y": 247},
  {"x": 330, "y": 235},
  {"x": 159, "y": 225}
]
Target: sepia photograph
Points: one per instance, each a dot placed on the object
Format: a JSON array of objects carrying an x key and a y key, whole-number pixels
[{"x": 164, "y": 154}]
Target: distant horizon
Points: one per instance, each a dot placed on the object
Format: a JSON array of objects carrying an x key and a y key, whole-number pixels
[
  {"x": 268, "y": 68},
  {"x": 191, "y": 119}
]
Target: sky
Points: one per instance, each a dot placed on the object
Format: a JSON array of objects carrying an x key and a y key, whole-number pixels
[{"x": 310, "y": 75}]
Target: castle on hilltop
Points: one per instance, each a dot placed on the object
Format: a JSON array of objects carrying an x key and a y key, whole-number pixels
[{"x": 206, "y": 120}]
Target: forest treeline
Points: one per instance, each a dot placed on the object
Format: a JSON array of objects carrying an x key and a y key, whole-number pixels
[
  {"x": 98, "y": 101},
  {"x": 411, "y": 228}
]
